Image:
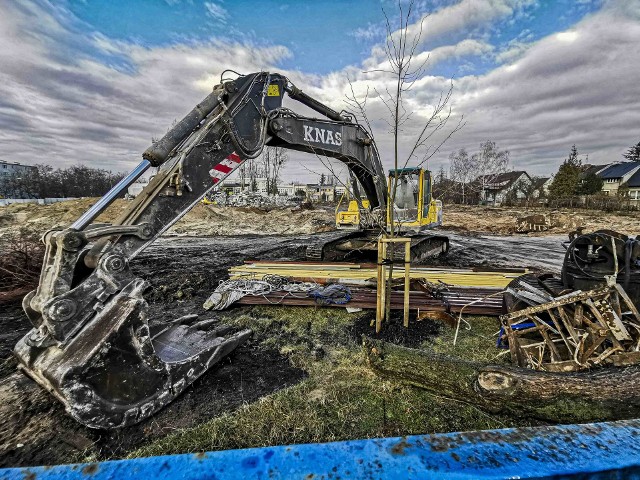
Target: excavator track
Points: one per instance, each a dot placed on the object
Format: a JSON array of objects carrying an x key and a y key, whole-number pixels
[{"x": 361, "y": 246}]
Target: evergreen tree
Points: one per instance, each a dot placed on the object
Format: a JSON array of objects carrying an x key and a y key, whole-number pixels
[
  {"x": 590, "y": 184},
  {"x": 633, "y": 153},
  {"x": 567, "y": 180}
]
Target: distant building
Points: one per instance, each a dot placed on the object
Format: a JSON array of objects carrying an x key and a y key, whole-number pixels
[
  {"x": 233, "y": 187},
  {"x": 497, "y": 187},
  {"x": 8, "y": 169},
  {"x": 540, "y": 186},
  {"x": 320, "y": 193},
  {"x": 616, "y": 174},
  {"x": 340, "y": 190},
  {"x": 291, "y": 189}
]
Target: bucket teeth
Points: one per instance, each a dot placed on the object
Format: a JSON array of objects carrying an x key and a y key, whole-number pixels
[{"x": 112, "y": 373}]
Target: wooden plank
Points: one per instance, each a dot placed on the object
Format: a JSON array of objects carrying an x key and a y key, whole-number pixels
[
  {"x": 555, "y": 355},
  {"x": 563, "y": 301}
]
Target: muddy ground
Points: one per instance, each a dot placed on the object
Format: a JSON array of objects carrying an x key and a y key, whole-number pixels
[{"x": 183, "y": 271}]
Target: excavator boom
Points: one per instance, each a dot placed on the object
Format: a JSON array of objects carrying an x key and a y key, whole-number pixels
[{"x": 91, "y": 344}]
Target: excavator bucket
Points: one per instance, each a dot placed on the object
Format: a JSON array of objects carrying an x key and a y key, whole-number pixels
[{"x": 113, "y": 372}]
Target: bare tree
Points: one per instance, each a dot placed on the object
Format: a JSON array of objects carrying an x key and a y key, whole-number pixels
[
  {"x": 271, "y": 163},
  {"x": 462, "y": 171},
  {"x": 487, "y": 165},
  {"x": 404, "y": 66}
]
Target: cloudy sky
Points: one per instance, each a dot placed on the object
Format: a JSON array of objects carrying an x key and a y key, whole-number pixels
[{"x": 92, "y": 81}]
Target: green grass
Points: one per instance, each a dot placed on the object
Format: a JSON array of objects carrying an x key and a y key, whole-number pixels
[
  {"x": 476, "y": 342},
  {"x": 341, "y": 398}
]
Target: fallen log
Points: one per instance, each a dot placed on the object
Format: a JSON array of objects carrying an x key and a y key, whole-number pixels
[{"x": 597, "y": 395}]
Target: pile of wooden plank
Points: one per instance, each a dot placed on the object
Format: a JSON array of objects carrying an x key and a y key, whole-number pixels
[
  {"x": 472, "y": 300},
  {"x": 435, "y": 290},
  {"x": 365, "y": 274}
]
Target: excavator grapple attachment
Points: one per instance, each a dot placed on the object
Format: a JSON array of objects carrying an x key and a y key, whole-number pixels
[{"x": 113, "y": 372}]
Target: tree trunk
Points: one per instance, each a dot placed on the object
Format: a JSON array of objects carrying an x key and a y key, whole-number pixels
[{"x": 598, "y": 395}]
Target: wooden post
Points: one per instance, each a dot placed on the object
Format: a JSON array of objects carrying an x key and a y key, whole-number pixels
[
  {"x": 380, "y": 286},
  {"x": 383, "y": 295},
  {"x": 407, "y": 281}
]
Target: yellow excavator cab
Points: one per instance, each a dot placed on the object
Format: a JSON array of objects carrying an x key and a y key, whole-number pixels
[{"x": 414, "y": 207}]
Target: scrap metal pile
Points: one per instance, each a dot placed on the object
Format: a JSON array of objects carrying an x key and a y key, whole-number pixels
[
  {"x": 575, "y": 331},
  {"x": 587, "y": 318}
]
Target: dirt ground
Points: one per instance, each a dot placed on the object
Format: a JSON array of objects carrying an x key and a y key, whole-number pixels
[
  {"x": 214, "y": 220},
  {"x": 502, "y": 220},
  {"x": 301, "y": 378},
  {"x": 183, "y": 271},
  {"x": 202, "y": 220}
]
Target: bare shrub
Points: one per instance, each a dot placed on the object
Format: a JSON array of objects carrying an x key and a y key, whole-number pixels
[{"x": 21, "y": 254}]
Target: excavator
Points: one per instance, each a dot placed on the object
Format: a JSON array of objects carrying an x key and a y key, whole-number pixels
[
  {"x": 413, "y": 211},
  {"x": 91, "y": 344}
]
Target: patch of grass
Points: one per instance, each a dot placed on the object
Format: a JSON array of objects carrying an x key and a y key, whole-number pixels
[
  {"x": 478, "y": 343},
  {"x": 297, "y": 329},
  {"x": 342, "y": 399}
]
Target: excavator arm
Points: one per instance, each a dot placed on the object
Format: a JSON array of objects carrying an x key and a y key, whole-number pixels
[{"x": 91, "y": 344}]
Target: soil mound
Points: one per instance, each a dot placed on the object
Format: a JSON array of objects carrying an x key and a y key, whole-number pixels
[{"x": 201, "y": 220}]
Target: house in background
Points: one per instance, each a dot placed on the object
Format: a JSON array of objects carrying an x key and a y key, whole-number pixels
[
  {"x": 541, "y": 186},
  {"x": 616, "y": 174},
  {"x": 634, "y": 187},
  {"x": 291, "y": 189},
  {"x": 494, "y": 189},
  {"x": 320, "y": 193}
]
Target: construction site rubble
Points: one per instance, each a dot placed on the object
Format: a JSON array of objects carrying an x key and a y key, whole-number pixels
[
  {"x": 251, "y": 199},
  {"x": 574, "y": 331}
]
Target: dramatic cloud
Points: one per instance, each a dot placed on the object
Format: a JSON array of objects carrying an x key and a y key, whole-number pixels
[
  {"x": 216, "y": 12},
  {"x": 65, "y": 110},
  {"x": 573, "y": 87},
  {"x": 69, "y": 97}
]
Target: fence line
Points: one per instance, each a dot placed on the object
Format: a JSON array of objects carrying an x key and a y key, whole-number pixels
[{"x": 40, "y": 201}]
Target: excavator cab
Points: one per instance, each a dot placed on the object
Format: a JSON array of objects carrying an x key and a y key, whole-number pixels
[{"x": 413, "y": 206}]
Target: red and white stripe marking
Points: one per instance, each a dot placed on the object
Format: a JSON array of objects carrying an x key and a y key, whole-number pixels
[{"x": 223, "y": 169}]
